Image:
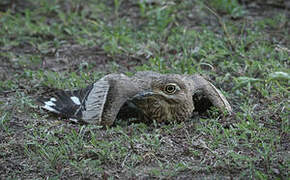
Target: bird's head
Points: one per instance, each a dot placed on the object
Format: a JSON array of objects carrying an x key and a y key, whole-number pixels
[{"x": 167, "y": 99}]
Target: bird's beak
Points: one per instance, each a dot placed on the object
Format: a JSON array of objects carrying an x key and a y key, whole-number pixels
[
  {"x": 139, "y": 100},
  {"x": 142, "y": 96}
]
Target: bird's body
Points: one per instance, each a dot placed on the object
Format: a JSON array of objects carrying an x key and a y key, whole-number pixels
[{"x": 148, "y": 96}]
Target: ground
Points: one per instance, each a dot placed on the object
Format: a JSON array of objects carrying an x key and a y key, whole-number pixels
[{"x": 242, "y": 47}]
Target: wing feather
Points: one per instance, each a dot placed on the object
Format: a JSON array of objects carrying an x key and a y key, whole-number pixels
[
  {"x": 93, "y": 105},
  {"x": 199, "y": 85}
]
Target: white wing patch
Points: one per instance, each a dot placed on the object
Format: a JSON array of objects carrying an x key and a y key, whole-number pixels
[
  {"x": 49, "y": 103},
  {"x": 48, "y": 107},
  {"x": 52, "y": 99},
  {"x": 76, "y": 100}
]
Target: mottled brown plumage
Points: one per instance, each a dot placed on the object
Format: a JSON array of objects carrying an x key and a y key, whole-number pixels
[{"x": 147, "y": 96}]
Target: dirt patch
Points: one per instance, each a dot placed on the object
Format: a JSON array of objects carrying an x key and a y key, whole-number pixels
[{"x": 68, "y": 57}]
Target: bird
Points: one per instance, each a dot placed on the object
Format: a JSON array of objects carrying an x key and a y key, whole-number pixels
[{"x": 147, "y": 96}]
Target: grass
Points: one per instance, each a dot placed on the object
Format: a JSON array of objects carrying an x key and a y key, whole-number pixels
[{"x": 69, "y": 44}]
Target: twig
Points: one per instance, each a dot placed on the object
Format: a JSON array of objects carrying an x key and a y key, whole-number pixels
[
  {"x": 226, "y": 32},
  {"x": 123, "y": 163}
]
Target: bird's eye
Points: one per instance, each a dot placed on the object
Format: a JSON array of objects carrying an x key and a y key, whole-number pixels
[{"x": 170, "y": 88}]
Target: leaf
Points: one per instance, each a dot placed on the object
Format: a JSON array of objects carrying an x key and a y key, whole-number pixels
[
  {"x": 248, "y": 79},
  {"x": 279, "y": 76},
  {"x": 245, "y": 81}
]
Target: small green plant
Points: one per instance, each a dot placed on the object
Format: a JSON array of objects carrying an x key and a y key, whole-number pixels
[
  {"x": 231, "y": 7},
  {"x": 4, "y": 119}
]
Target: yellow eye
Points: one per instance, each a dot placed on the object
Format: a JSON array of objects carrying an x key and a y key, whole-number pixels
[{"x": 170, "y": 88}]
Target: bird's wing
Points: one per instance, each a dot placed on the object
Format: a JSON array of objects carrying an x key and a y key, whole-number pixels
[
  {"x": 86, "y": 104},
  {"x": 99, "y": 103},
  {"x": 95, "y": 102},
  {"x": 121, "y": 89},
  {"x": 200, "y": 86}
]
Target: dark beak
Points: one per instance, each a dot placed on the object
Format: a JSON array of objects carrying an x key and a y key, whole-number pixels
[{"x": 141, "y": 96}]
